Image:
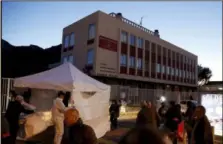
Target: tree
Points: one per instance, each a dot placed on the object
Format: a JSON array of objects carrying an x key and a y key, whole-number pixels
[{"x": 204, "y": 75}]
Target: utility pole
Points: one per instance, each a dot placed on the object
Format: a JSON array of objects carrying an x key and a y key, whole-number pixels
[{"x": 141, "y": 20}]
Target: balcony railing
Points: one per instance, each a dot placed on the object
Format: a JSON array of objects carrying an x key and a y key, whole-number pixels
[{"x": 133, "y": 24}]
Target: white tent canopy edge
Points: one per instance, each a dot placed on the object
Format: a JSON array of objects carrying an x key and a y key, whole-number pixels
[{"x": 65, "y": 77}]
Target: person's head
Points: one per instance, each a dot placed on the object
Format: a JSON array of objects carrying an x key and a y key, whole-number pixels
[
  {"x": 61, "y": 94},
  {"x": 189, "y": 104},
  {"x": 163, "y": 104},
  {"x": 199, "y": 112},
  {"x": 13, "y": 94},
  {"x": 19, "y": 98},
  {"x": 172, "y": 103},
  {"x": 144, "y": 104},
  {"x": 114, "y": 102},
  {"x": 71, "y": 117},
  {"x": 142, "y": 135},
  {"x": 149, "y": 104},
  {"x": 178, "y": 107}
]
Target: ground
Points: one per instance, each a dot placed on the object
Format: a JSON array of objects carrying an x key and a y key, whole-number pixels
[{"x": 111, "y": 137}]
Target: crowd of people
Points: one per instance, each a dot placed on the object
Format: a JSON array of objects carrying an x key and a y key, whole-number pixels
[
  {"x": 152, "y": 125},
  {"x": 161, "y": 126}
]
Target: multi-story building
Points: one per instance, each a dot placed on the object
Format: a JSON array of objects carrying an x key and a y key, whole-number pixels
[{"x": 121, "y": 52}]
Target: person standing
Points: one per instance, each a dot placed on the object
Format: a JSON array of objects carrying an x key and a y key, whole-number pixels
[
  {"x": 15, "y": 108},
  {"x": 162, "y": 111},
  {"x": 114, "y": 114},
  {"x": 58, "y": 111},
  {"x": 201, "y": 132}
]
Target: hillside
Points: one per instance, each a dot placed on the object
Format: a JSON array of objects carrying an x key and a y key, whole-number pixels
[{"x": 20, "y": 61}]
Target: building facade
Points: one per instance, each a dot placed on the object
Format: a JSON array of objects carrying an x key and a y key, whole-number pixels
[{"x": 120, "y": 52}]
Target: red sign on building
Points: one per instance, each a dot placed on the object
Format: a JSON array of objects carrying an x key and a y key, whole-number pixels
[{"x": 107, "y": 43}]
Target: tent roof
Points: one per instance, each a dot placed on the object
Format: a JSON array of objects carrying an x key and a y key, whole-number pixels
[{"x": 64, "y": 77}]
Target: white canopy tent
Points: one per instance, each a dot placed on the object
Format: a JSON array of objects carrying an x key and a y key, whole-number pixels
[
  {"x": 64, "y": 77},
  {"x": 90, "y": 96}
]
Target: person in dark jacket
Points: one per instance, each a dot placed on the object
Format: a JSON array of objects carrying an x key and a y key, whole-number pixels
[
  {"x": 188, "y": 117},
  {"x": 15, "y": 108},
  {"x": 27, "y": 95},
  {"x": 78, "y": 132},
  {"x": 114, "y": 113},
  {"x": 66, "y": 98},
  {"x": 147, "y": 116},
  {"x": 5, "y": 134},
  {"x": 162, "y": 111},
  {"x": 201, "y": 132},
  {"x": 173, "y": 118}
]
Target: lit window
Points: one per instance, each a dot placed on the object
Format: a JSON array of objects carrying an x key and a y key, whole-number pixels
[
  {"x": 90, "y": 56},
  {"x": 172, "y": 71},
  {"x": 139, "y": 63},
  {"x": 70, "y": 58},
  {"x": 66, "y": 41},
  {"x": 158, "y": 68},
  {"x": 132, "y": 40},
  {"x": 132, "y": 62},
  {"x": 72, "y": 39},
  {"x": 123, "y": 60},
  {"x": 163, "y": 69},
  {"x": 91, "y": 31},
  {"x": 124, "y": 36},
  {"x": 140, "y": 42}
]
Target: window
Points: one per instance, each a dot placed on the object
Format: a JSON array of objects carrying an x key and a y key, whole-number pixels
[
  {"x": 123, "y": 60},
  {"x": 90, "y": 57},
  {"x": 132, "y": 40},
  {"x": 66, "y": 41},
  {"x": 72, "y": 40},
  {"x": 132, "y": 62},
  {"x": 91, "y": 31},
  {"x": 140, "y": 42},
  {"x": 124, "y": 36},
  {"x": 172, "y": 71},
  {"x": 65, "y": 59},
  {"x": 139, "y": 63},
  {"x": 70, "y": 58},
  {"x": 180, "y": 73},
  {"x": 158, "y": 68},
  {"x": 176, "y": 72},
  {"x": 163, "y": 69},
  {"x": 168, "y": 70},
  {"x": 184, "y": 74},
  {"x": 146, "y": 65}
]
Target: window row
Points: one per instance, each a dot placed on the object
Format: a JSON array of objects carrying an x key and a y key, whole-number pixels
[
  {"x": 174, "y": 72},
  {"x": 138, "y": 41},
  {"x": 69, "y": 40},
  {"x": 90, "y": 57},
  {"x": 132, "y": 62}
]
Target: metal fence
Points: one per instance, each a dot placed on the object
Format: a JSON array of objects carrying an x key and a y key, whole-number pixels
[
  {"x": 6, "y": 86},
  {"x": 135, "y": 96}
]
